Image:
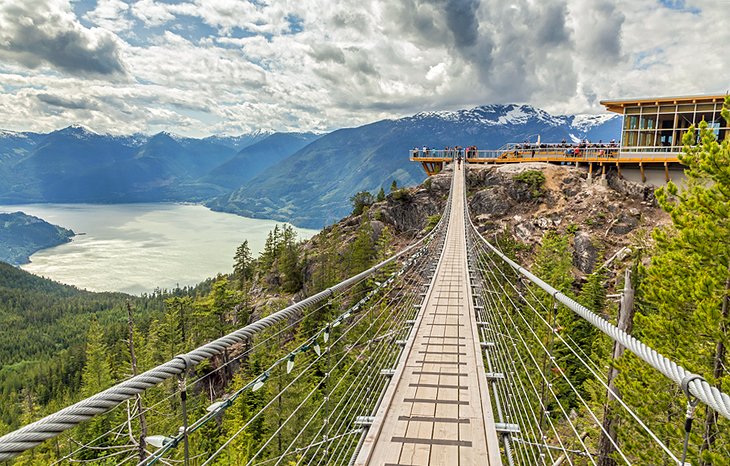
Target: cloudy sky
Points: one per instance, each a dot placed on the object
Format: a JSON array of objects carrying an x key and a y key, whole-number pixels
[{"x": 199, "y": 67}]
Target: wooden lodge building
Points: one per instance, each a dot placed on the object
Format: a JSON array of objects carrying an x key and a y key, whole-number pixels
[{"x": 651, "y": 139}]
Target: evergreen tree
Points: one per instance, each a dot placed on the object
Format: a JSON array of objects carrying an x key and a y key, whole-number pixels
[
  {"x": 96, "y": 375},
  {"x": 687, "y": 288},
  {"x": 393, "y": 186},
  {"x": 243, "y": 265},
  {"x": 363, "y": 248},
  {"x": 360, "y": 201},
  {"x": 381, "y": 195},
  {"x": 290, "y": 267}
]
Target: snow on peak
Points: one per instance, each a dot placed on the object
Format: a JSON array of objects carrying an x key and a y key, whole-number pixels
[
  {"x": 584, "y": 122},
  {"x": 77, "y": 131},
  {"x": 12, "y": 134}
]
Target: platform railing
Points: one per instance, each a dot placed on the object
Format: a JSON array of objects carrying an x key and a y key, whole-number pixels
[{"x": 551, "y": 152}]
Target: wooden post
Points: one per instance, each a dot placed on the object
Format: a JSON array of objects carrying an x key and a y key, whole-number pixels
[
  {"x": 609, "y": 434},
  {"x": 666, "y": 171},
  {"x": 641, "y": 167}
]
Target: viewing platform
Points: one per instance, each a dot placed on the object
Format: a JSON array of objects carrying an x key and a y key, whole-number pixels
[{"x": 651, "y": 137}]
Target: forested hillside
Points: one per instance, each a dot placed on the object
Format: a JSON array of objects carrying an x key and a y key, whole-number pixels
[
  {"x": 21, "y": 235},
  {"x": 579, "y": 236}
]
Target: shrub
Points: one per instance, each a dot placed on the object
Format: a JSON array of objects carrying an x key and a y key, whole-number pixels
[
  {"x": 534, "y": 179},
  {"x": 399, "y": 195},
  {"x": 360, "y": 201},
  {"x": 431, "y": 222}
]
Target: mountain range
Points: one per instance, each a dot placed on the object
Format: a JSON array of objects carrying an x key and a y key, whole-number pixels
[{"x": 304, "y": 178}]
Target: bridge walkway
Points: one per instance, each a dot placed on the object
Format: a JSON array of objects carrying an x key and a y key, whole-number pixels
[{"x": 437, "y": 410}]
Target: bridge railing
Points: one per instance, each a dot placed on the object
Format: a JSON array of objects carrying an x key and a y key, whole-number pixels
[
  {"x": 527, "y": 352},
  {"x": 552, "y": 152},
  {"x": 31, "y": 435}
]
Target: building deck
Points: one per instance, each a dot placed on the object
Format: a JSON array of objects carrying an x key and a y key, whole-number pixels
[{"x": 437, "y": 409}]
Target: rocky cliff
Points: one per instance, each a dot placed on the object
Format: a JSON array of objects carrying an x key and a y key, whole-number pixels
[{"x": 602, "y": 219}]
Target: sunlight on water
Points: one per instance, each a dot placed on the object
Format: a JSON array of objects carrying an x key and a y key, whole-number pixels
[{"x": 136, "y": 248}]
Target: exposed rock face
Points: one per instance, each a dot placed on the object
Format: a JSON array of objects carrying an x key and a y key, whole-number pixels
[
  {"x": 645, "y": 192},
  {"x": 567, "y": 203},
  {"x": 584, "y": 252},
  {"x": 408, "y": 210}
]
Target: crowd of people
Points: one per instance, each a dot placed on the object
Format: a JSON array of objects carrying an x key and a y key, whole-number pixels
[
  {"x": 570, "y": 149},
  {"x": 453, "y": 152}
]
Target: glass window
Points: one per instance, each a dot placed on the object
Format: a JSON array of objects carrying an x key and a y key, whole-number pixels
[
  {"x": 686, "y": 108},
  {"x": 631, "y": 122},
  {"x": 667, "y": 108},
  {"x": 630, "y": 138},
  {"x": 705, "y": 107},
  {"x": 632, "y": 110},
  {"x": 648, "y": 122},
  {"x": 652, "y": 109}
]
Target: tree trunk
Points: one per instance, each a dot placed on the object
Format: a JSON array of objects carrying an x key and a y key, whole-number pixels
[
  {"x": 710, "y": 432},
  {"x": 609, "y": 433},
  {"x": 140, "y": 407}
]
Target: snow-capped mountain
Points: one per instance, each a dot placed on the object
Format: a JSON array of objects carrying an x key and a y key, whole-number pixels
[
  {"x": 303, "y": 178},
  {"x": 313, "y": 186},
  {"x": 520, "y": 116}
]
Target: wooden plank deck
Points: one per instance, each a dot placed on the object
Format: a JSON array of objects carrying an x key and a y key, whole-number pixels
[{"x": 436, "y": 410}]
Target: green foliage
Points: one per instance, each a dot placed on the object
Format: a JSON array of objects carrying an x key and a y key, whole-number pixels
[
  {"x": 363, "y": 249},
  {"x": 393, "y": 186},
  {"x": 686, "y": 296},
  {"x": 534, "y": 179},
  {"x": 400, "y": 195},
  {"x": 381, "y": 195},
  {"x": 431, "y": 222},
  {"x": 360, "y": 201},
  {"x": 243, "y": 264}
]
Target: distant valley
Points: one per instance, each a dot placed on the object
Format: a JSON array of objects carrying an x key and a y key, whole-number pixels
[{"x": 304, "y": 178}]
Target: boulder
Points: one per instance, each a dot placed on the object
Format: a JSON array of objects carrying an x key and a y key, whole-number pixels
[
  {"x": 493, "y": 202},
  {"x": 584, "y": 252},
  {"x": 625, "y": 223}
]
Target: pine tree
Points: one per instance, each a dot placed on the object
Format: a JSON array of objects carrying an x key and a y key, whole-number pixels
[
  {"x": 96, "y": 375},
  {"x": 243, "y": 265},
  {"x": 688, "y": 281},
  {"x": 363, "y": 248},
  {"x": 393, "y": 186},
  {"x": 381, "y": 195}
]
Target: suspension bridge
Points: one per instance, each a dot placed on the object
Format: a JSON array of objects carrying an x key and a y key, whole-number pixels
[{"x": 442, "y": 354}]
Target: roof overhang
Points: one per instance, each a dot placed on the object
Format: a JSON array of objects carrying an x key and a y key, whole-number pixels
[{"x": 619, "y": 105}]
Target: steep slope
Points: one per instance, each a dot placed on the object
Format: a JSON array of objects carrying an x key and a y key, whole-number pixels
[
  {"x": 257, "y": 157},
  {"x": 312, "y": 188}
]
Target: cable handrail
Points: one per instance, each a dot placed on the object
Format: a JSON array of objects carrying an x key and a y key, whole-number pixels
[
  {"x": 32, "y": 435},
  {"x": 693, "y": 384}
]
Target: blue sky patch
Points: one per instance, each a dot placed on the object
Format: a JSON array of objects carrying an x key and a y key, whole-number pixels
[{"x": 680, "y": 5}]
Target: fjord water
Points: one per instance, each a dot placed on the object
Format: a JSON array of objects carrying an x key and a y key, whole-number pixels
[{"x": 135, "y": 248}]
